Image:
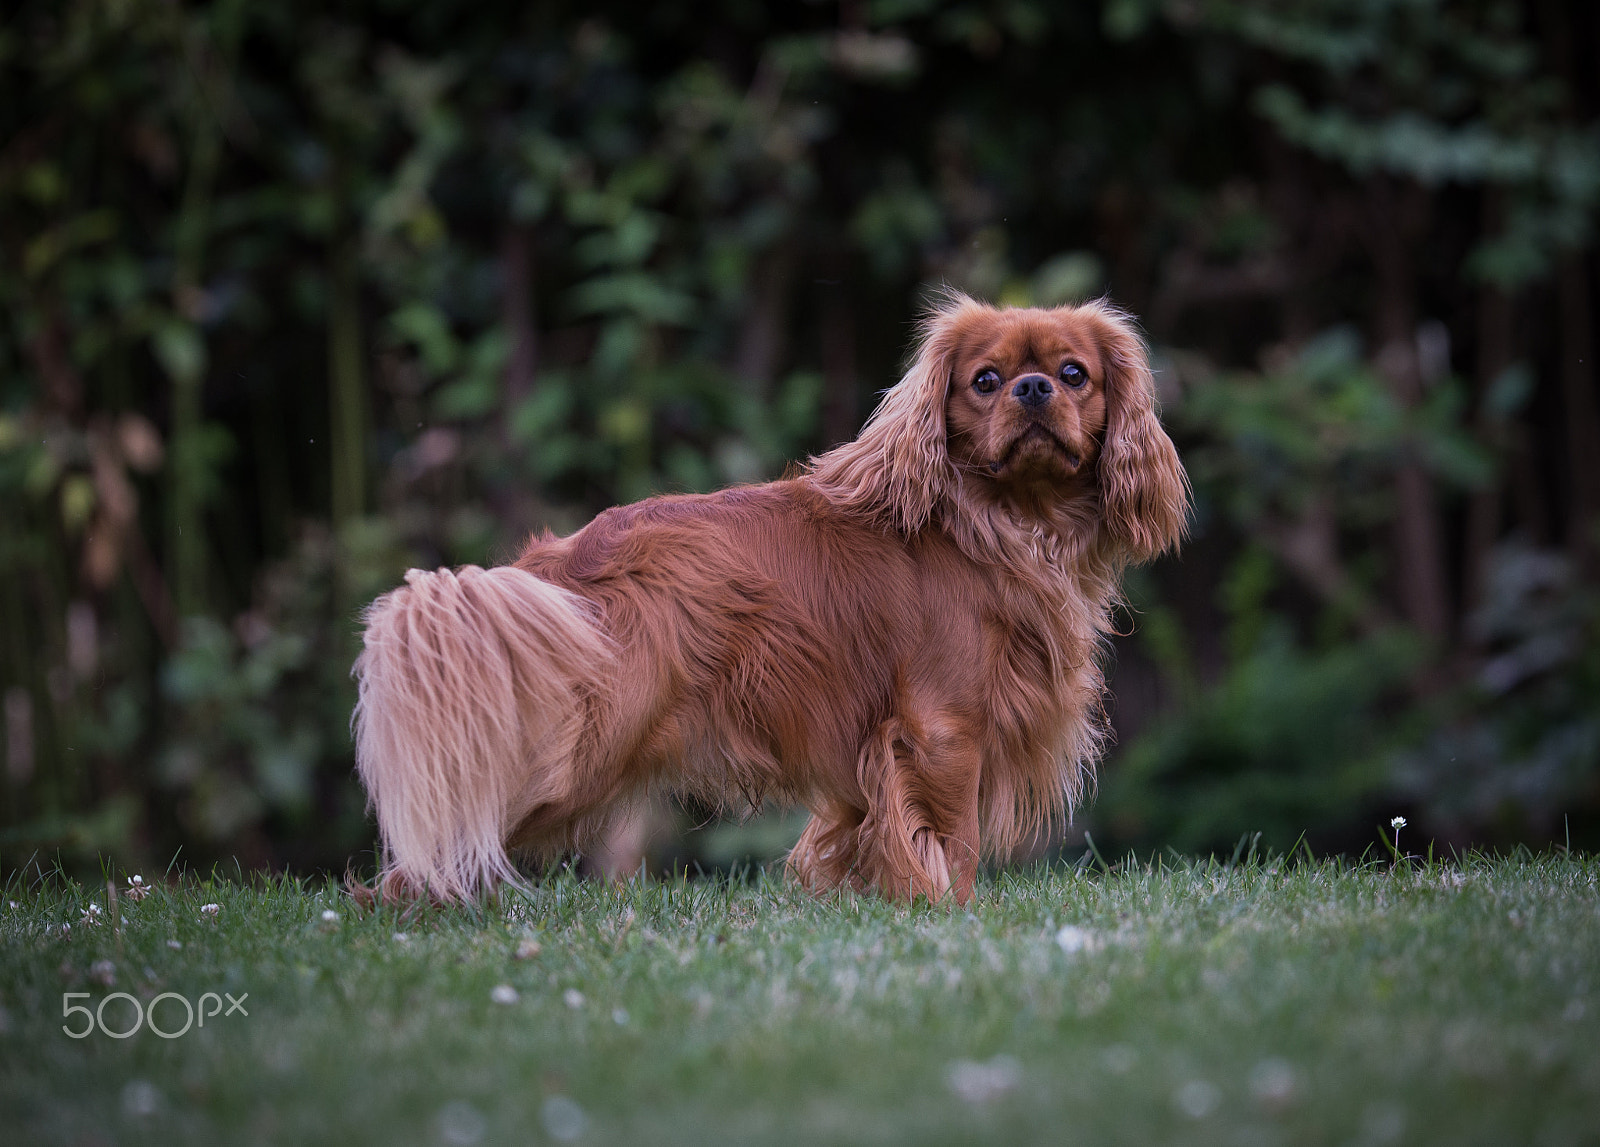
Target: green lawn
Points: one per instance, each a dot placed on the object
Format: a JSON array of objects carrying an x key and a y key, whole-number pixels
[{"x": 1265, "y": 1003}]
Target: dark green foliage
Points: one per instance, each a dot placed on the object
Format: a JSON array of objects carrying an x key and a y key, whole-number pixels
[
  {"x": 1515, "y": 746},
  {"x": 294, "y": 296},
  {"x": 1288, "y": 739}
]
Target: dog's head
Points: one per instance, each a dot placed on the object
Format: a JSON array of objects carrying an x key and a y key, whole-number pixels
[
  {"x": 1026, "y": 404},
  {"x": 1026, "y": 407}
]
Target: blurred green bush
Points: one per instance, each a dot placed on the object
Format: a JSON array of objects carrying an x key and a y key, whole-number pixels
[{"x": 293, "y": 297}]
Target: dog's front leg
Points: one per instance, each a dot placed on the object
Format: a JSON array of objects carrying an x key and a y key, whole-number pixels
[
  {"x": 920, "y": 834},
  {"x": 960, "y": 845},
  {"x": 951, "y": 788}
]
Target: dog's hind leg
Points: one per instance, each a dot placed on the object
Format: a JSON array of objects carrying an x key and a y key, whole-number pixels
[
  {"x": 474, "y": 685},
  {"x": 827, "y": 854}
]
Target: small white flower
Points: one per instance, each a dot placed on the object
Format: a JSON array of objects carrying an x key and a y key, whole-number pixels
[
  {"x": 210, "y": 909},
  {"x": 573, "y": 997},
  {"x": 136, "y": 890},
  {"x": 1071, "y": 939},
  {"x": 141, "y": 1099},
  {"x": 1273, "y": 1082},
  {"x": 1119, "y": 1058},
  {"x": 976, "y": 1082},
  {"x": 461, "y": 1124},
  {"x": 1197, "y": 1098},
  {"x": 329, "y": 916},
  {"x": 1398, "y": 822},
  {"x": 91, "y": 915},
  {"x": 562, "y": 1118},
  {"x": 401, "y": 938},
  {"x": 175, "y": 945},
  {"x": 504, "y": 994},
  {"x": 619, "y": 1016},
  {"x": 135, "y": 879}
]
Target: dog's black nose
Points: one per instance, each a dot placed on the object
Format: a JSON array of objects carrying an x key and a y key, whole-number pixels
[{"x": 1032, "y": 390}]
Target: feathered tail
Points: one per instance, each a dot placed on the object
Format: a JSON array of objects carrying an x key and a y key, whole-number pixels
[{"x": 472, "y": 690}]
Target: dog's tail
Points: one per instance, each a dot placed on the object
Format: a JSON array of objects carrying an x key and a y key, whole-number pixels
[{"x": 471, "y": 703}]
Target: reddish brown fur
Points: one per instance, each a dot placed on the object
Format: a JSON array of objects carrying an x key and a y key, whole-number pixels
[{"x": 903, "y": 637}]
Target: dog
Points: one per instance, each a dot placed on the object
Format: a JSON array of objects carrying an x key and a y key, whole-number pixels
[{"x": 903, "y": 636}]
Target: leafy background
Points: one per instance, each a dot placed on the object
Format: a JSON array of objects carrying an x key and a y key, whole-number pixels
[{"x": 294, "y": 296}]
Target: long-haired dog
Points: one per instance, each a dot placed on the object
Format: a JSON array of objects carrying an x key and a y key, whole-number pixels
[{"x": 902, "y": 637}]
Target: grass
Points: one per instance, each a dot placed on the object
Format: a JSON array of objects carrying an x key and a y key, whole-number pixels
[{"x": 1260, "y": 1003}]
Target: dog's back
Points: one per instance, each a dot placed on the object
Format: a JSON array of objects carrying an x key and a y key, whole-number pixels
[{"x": 759, "y": 636}]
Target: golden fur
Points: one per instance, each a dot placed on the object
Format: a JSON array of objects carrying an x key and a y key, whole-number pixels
[{"x": 903, "y": 637}]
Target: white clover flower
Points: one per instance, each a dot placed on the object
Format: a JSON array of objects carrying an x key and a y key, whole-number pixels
[
  {"x": 210, "y": 909},
  {"x": 1072, "y": 939},
  {"x": 329, "y": 916},
  {"x": 1197, "y": 1098},
  {"x": 1273, "y": 1082},
  {"x": 1398, "y": 822},
  {"x": 461, "y": 1124},
  {"x": 1119, "y": 1058},
  {"x": 141, "y": 1099},
  {"x": 574, "y": 998},
  {"x": 136, "y": 890},
  {"x": 504, "y": 994},
  {"x": 563, "y": 1119},
  {"x": 976, "y": 1082}
]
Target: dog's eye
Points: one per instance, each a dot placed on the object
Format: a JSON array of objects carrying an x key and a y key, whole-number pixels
[
  {"x": 1073, "y": 375},
  {"x": 986, "y": 381}
]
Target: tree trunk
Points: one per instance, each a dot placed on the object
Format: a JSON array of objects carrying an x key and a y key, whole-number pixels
[
  {"x": 522, "y": 364},
  {"x": 841, "y": 384},
  {"x": 347, "y": 418},
  {"x": 764, "y": 336},
  {"x": 1397, "y": 214},
  {"x": 1580, "y": 410},
  {"x": 186, "y": 477},
  {"x": 186, "y": 549},
  {"x": 1496, "y": 315}
]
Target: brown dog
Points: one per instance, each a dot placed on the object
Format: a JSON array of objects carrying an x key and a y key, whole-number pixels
[{"x": 903, "y": 637}]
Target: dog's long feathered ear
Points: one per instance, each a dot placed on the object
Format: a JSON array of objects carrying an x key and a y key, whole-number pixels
[
  {"x": 898, "y": 469},
  {"x": 1144, "y": 493}
]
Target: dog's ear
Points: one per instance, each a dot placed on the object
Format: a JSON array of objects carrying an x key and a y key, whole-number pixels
[
  {"x": 1144, "y": 493},
  {"x": 898, "y": 469}
]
